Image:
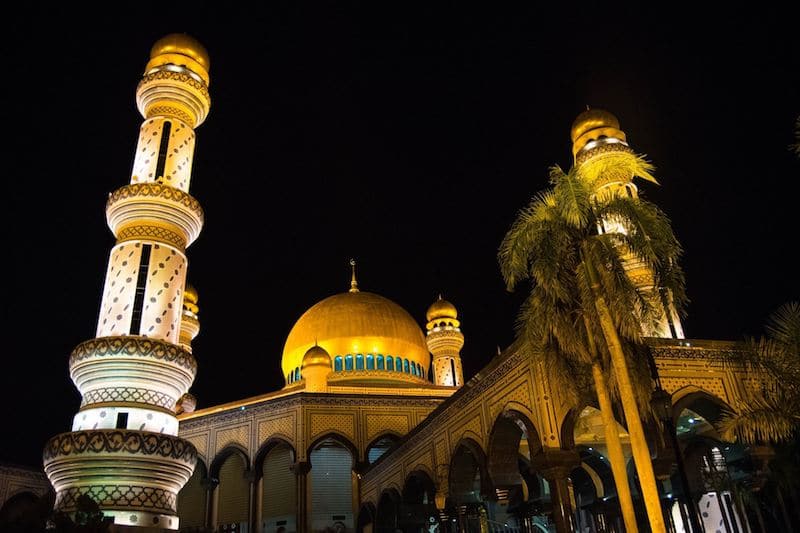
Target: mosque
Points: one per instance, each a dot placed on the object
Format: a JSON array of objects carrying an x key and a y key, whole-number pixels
[{"x": 375, "y": 428}]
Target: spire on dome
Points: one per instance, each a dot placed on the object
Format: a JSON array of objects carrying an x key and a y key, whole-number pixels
[{"x": 353, "y": 282}]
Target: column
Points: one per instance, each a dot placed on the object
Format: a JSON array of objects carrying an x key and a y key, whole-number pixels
[
  {"x": 555, "y": 466},
  {"x": 301, "y": 470}
]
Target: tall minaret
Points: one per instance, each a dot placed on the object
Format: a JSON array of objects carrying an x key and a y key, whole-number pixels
[
  {"x": 123, "y": 450},
  {"x": 607, "y": 163},
  {"x": 445, "y": 341}
]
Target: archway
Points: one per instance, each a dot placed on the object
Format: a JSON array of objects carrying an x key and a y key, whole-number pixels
[
  {"x": 598, "y": 504},
  {"x": 380, "y": 446},
  {"x": 710, "y": 464},
  {"x": 192, "y": 498},
  {"x": 468, "y": 483},
  {"x": 332, "y": 481},
  {"x": 418, "y": 506},
  {"x": 230, "y": 469},
  {"x": 517, "y": 500},
  {"x": 386, "y": 517},
  {"x": 277, "y": 496}
]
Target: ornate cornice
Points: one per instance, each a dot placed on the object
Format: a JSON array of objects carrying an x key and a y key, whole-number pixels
[
  {"x": 153, "y": 233},
  {"x": 114, "y": 441},
  {"x": 132, "y": 346},
  {"x": 601, "y": 149},
  {"x": 176, "y": 76},
  {"x": 156, "y": 190},
  {"x": 269, "y": 406}
]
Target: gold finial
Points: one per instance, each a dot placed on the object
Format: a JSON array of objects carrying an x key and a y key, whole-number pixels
[
  {"x": 353, "y": 282},
  {"x": 440, "y": 296}
]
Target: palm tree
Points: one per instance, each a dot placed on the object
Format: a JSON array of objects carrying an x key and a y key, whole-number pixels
[
  {"x": 771, "y": 411},
  {"x": 580, "y": 291}
]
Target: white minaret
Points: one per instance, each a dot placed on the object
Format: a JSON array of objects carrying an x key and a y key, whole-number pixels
[
  {"x": 123, "y": 450},
  {"x": 445, "y": 341}
]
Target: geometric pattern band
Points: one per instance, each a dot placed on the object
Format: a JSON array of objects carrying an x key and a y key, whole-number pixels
[
  {"x": 130, "y": 395},
  {"x": 155, "y": 233},
  {"x": 133, "y": 347},
  {"x": 133, "y": 497},
  {"x": 112, "y": 441},
  {"x": 156, "y": 190}
]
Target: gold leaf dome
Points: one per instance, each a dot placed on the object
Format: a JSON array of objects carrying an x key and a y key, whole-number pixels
[
  {"x": 190, "y": 294},
  {"x": 592, "y": 119},
  {"x": 316, "y": 355},
  {"x": 594, "y": 125},
  {"x": 182, "y": 44},
  {"x": 441, "y": 309},
  {"x": 357, "y": 323}
]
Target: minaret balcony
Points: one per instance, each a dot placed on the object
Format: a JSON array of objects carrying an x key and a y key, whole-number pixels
[
  {"x": 139, "y": 210},
  {"x": 101, "y": 366},
  {"x": 134, "y": 476}
]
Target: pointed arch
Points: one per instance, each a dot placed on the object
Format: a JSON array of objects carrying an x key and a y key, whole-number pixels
[
  {"x": 338, "y": 438},
  {"x": 222, "y": 455},
  {"x": 467, "y": 462},
  {"x": 385, "y": 441},
  {"x": 702, "y": 402},
  {"x": 268, "y": 445}
]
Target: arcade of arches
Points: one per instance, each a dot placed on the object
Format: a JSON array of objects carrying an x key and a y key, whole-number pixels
[{"x": 503, "y": 454}]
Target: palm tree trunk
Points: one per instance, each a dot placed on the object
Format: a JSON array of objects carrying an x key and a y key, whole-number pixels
[
  {"x": 615, "y": 455},
  {"x": 641, "y": 452}
]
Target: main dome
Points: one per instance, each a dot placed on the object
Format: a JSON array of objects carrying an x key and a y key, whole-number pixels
[{"x": 361, "y": 331}]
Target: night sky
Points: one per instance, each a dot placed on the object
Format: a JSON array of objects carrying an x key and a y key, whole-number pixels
[{"x": 405, "y": 137}]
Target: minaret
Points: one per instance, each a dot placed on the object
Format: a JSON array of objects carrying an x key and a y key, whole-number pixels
[
  {"x": 608, "y": 164},
  {"x": 123, "y": 450},
  {"x": 445, "y": 341},
  {"x": 190, "y": 324}
]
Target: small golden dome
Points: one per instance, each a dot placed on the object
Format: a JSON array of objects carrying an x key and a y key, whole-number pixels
[
  {"x": 592, "y": 119},
  {"x": 441, "y": 309},
  {"x": 316, "y": 355},
  {"x": 190, "y": 294},
  {"x": 180, "y": 43}
]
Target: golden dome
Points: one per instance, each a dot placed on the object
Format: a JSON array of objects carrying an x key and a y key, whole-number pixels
[
  {"x": 190, "y": 294},
  {"x": 594, "y": 124},
  {"x": 316, "y": 355},
  {"x": 182, "y": 44},
  {"x": 441, "y": 309},
  {"x": 591, "y": 119},
  {"x": 357, "y": 323}
]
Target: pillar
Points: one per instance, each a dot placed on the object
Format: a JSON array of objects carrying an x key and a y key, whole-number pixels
[
  {"x": 301, "y": 470},
  {"x": 555, "y": 466}
]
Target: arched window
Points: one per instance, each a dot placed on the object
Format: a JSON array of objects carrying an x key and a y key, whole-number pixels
[
  {"x": 370, "y": 362},
  {"x": 419, "y": 371},
  {"x": 413, "y": 369},
  {"x": 297, "y": 374},
  {"x": 337, "y": 363},
  {"x": 389, "y": 362},
  {"x": 289, "y": 377},
  {"x": 406, "y": 368},
  {"x": 360, "y": 361},
  {"x": 379, "y": 362},
  {"x": 348, "y": 362}
]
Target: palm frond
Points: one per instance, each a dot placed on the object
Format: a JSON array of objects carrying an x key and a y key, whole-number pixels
[
  {"x": 783, "y": 326},
  {"x": 762, "y": 419}
]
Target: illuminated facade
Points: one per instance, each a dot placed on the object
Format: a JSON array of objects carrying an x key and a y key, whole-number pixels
[
  {"x": 124, "y": 450},
  {"x": 375, "y": 428}
]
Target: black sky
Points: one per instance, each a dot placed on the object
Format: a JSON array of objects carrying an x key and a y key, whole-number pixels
[{"x": 405, "y": 137}]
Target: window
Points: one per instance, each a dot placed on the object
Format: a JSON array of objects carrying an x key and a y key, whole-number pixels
[
  {"x": 297, "y": 374},
  {"x": 337, "y": 363},
  {"x": 122, "y": 420},
  {"x": 405, "y": 366},
  {"x": 453, "y": 372},
  {"x": 141, "y": 285},
  {"x": 379, "y": 362},
  {"x": 360, "y": 361},
  {"x": 348, "y": 362},
  {"x": 370, "y": 362},
  {"x": 389, "y": 362}
]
